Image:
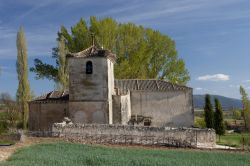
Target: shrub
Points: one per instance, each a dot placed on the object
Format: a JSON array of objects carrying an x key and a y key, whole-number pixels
[
  {"x": 19, "y": 125},
  {"x": 3, "y": 126},
  {"x": 199, "y": 122},
  {"x": 245, "y": 141}
]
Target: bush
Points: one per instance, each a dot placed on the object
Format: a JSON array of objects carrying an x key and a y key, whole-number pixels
[
  {"x": 199, "y": 122},
  {"x": 245, "y": 141},
  {"x": 19, "y": 125},
  {"x": 3, "y": 126},
  {"x": 227, "y": 125},
  {"x": 11, "y": 115}
]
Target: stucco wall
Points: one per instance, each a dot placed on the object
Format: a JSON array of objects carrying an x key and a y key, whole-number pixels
[
  {"x": 173, "y": 108},
  {"x": 120, "y": 134},
  {"x": 43, "y": 115}
]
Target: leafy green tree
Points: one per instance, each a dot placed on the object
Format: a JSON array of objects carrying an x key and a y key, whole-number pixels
[
  {"x": 23, "y": 91},
  {"x": 246, "y": 107},
  {"x": 12, "y": 115},
  {"x": 62, "y": 70},
  {"x": 209, "y": 113},
  {"x": 236, "y": 115},
  {"x": 141, "y": 52},
  {"x": 218, "y": 119}
]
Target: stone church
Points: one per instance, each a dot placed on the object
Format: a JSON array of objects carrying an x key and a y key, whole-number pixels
[{"x": 95, "y": 96}]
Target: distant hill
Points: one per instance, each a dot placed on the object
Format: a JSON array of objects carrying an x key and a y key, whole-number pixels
[{"x": 226, "y": 102}]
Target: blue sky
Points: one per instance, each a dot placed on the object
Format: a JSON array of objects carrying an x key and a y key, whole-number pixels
[{"x": 212, "y": 36}]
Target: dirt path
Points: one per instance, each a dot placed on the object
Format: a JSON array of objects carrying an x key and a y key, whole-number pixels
[{"x": 7, "y": 151}]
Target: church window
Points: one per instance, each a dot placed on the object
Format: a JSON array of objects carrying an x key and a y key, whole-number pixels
[{"x": 89, "y": 67}]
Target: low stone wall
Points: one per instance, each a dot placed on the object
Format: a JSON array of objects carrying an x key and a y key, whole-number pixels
[{"x": 140, "y": 135}]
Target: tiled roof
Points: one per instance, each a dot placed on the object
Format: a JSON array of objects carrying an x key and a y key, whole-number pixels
[
  {"x": 93, "y": 51},
  {"x": 53, "y": 95},
  {"x": 147, "y": 85},
  {"x": 123, "y": 86}
]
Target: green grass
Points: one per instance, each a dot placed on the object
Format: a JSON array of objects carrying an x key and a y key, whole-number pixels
[
  {"x": 233, "y": 139},
  {"x": 67, "y": 154}
]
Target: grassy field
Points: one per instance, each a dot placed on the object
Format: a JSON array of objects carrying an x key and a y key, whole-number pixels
[
  {"x": 66, "y": 154},
  {"x": 234, "y": 139}
]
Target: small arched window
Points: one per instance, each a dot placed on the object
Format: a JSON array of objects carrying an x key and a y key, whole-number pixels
[{"x": 89, "y": 67}]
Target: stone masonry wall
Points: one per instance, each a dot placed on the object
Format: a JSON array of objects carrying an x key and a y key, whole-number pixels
[{"x": 124, "y": 134}]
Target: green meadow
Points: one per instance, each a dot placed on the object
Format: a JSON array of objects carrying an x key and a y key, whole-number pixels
[{"x": 69, "y": 154}]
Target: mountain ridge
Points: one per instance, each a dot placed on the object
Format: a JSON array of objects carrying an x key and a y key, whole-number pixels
[{"x": 226, "y": 102}]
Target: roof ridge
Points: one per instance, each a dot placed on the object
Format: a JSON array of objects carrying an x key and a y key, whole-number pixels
[
  {"x": 159, "y": 86},
  {"x": 63, "y": 95},
  {"x": 93, "y": 51}
]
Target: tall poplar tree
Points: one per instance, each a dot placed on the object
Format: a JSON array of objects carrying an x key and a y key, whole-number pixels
[
  {"x": 218, "y": 119},
  {"x": 246, "y": 107},
  {"x": 62, "y": 69},
  {"x": 209, "y": 114},
  {"x": 23, "y": 91}
]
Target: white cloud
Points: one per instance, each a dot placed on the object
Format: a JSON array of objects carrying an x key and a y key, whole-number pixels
[
  {"x": 199, "y": 89},
  {"x": 179, "y": 10},
  {"x": 159, "y": 9},
  {"x": 215, "y": 77}
]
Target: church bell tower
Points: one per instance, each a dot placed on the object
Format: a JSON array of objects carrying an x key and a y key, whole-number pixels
[{"x": 91, "y": 85}]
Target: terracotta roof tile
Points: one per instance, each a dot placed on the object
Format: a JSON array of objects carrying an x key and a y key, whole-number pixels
[{"x": 123, "y": 85}]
